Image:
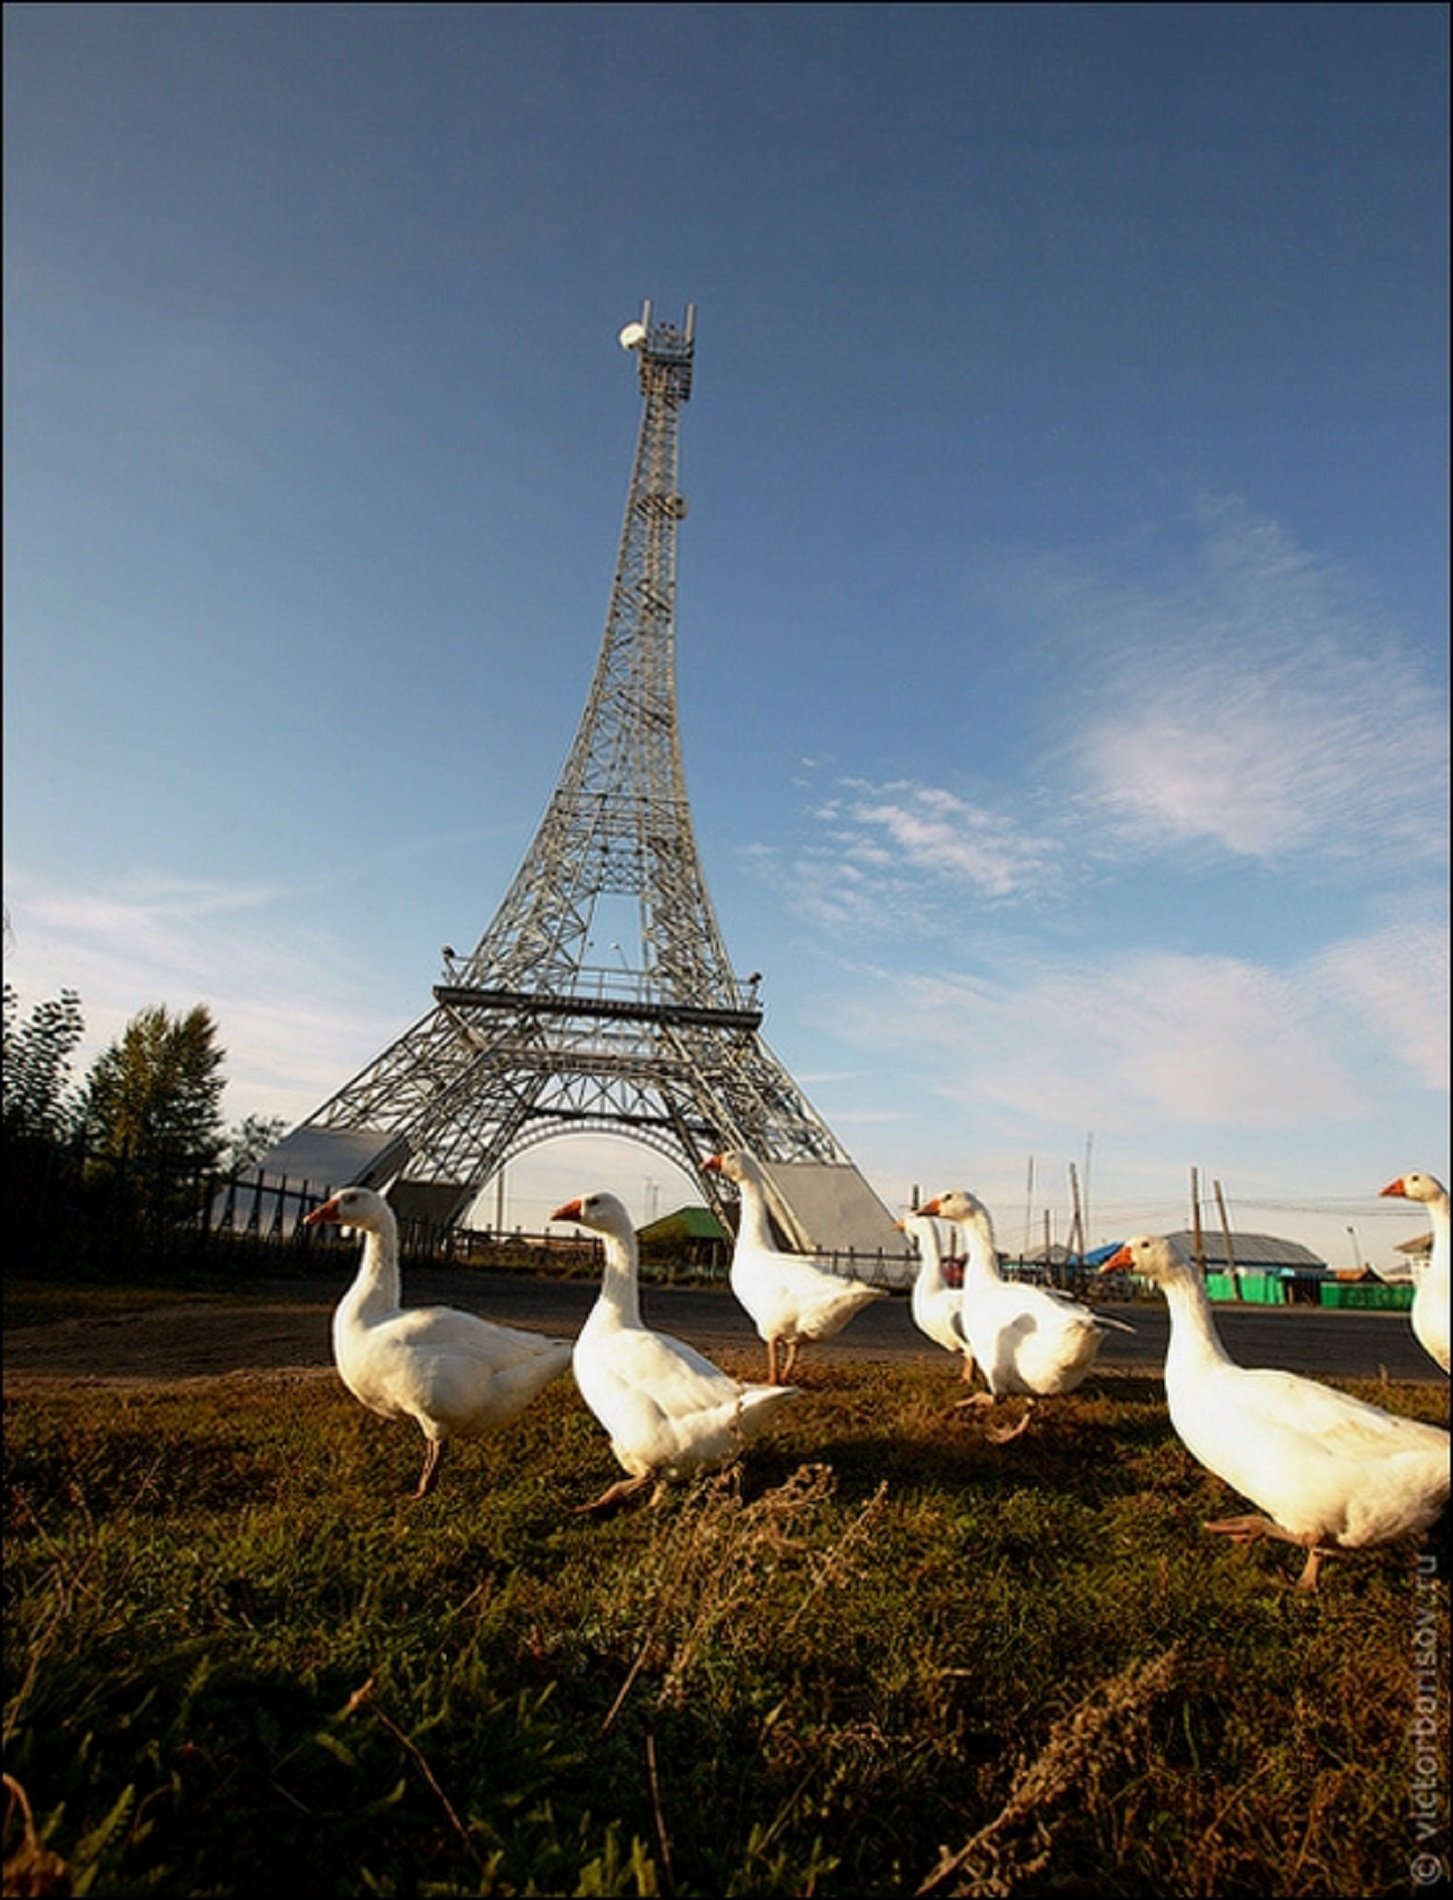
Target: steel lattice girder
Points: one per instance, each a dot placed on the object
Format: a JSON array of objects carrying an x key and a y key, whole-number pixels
[{"x": 525, "y": 1036}]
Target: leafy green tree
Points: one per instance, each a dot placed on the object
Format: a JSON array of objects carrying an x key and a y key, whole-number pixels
[
  {"x": 250, "y": 1140},
  {"x": 154, "y": 1097},
  {"x": 39, "y": 1102}
]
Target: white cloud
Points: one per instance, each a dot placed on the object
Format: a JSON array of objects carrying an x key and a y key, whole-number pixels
[
  {"x": 1393, "y": 985},
  {"x": 1258, "y": 705},
  {"x": 293, "y": 1027},
  {"x": 1252, "y": 704},
  {"x": 830, "y": 887},
  {"x": 1304, "y": 1085},
  {"x": 1128, "y": 1043},
  {"x": 897, "y": 859},
  {"x": 1144, "y": 1040},
  {"x": 931, "y": 829}
]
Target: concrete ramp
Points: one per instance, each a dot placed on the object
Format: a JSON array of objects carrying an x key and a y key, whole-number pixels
[
  {"x": 828, "y": 1208},
  {"x": 294, "y": 1175},
  {"x": 363, "y": 1157},
  {"x": 336, "y": 1157}
]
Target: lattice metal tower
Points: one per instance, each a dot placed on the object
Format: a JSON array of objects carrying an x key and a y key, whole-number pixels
[{"x": 535, "y": 1032}]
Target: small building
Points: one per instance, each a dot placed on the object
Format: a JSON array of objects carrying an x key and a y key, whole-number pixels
[
  {"x": 691, "y": 1236},
  {"x": 1268, "y": 1271}
]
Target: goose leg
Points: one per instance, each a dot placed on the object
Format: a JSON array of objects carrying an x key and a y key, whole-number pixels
[
  {"x": 1308, "y": 1579},
  {"x": 615, "y": 1494},
  {"x": 771, "y": 1362},
  {"x": 1243, "y": 1530},
  {"x": 1003, "y": 1435},
  {"x": 790, "y": 1361},
  {"x": 985, "y": 1402},
  {"x": 430, "y": 1472},
  {"x": 1249, "y": 1529}
]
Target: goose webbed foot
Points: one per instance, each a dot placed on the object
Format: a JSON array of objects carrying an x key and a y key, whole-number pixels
[
  {"x": 1250, "y": 1529},
  {"x": 1244, "y": 1530},
  {"x": 997, "y": 1434},
  {"x": 1308, "y": 1579},
  {"x": 615, "y": 1495},
  {"x": 976, "y": 1401},
  {"x": 1006, "y": 1434}
]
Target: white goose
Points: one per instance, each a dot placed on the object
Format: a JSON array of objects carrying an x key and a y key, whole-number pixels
[
  {"x": 1025, "y": 1339},
  {"x": 1430, "y": 1301},
  {"x": 455, "y": 1374},
  {"x": 667, "y": 1409},
  {"x": 788, "y": 1295},
  {"x": 935, "y": 1304},
  {"x": 1328, "y": 1470}
]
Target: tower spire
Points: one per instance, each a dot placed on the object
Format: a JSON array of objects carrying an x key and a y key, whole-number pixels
[
  {"x": 539, "y": 1029},
  {"x": 619, "y": 824}
]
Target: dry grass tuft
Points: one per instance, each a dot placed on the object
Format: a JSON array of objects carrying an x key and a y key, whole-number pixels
[
  {"x": 715, "y": 1558},
  {"x": 1107, "y": 1726},
  {"x": 803, "y": 1676}
]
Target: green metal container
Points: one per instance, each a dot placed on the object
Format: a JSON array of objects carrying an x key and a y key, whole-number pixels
[
  {"x": 1257, "y": 1289},
  {"x": 1368, "y": 1295}
]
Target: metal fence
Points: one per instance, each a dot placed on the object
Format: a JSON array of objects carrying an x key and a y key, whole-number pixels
[{"x": 80, "y": 1213}]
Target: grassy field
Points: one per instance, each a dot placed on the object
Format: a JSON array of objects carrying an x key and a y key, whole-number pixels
[{"x": 884, "y": 1657}]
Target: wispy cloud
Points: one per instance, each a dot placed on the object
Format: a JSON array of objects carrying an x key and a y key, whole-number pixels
[
  {"x": 293, "y": 1026},
  {"x": 1250, "y": 704},
  {"x": 926, "y": 828},
  {"x": 1393, "y": 986},
  {"x": 1137, "y": 1041},
  {"x": 1123, "y": 1044},
  {"x": 1256, "y": 703},
  {"x": 893, "y": 859}
]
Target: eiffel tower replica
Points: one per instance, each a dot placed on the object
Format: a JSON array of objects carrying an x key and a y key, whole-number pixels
[{"x": 528, "y": 1038}]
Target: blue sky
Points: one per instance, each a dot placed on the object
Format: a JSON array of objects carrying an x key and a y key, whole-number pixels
[{"x": 1063, "y": 603}]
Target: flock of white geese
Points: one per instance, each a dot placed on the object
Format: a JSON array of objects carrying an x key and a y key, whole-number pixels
[{"x": 1327, "y": 1471}]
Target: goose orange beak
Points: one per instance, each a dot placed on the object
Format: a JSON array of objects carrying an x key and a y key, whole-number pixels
[
  {"x": 713, "y": 1166},
  {"x": 1118, "y": 1261},
  {"x": 328, "y": 1211},
  {"x": 929, "y": 1207},
  {"x": 1395, "y": 1187},
  {"x": 570, "y": 1211}
]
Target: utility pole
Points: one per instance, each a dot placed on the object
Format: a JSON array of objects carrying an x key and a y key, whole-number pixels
[
  {"x": 1196, "y": 1237},
  {"x": 1076, "y": 1244},
  {"x": 1231, "y": 1267}
]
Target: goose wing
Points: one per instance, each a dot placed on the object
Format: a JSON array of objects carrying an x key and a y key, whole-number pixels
[{"x": 1342, "y": 1425}]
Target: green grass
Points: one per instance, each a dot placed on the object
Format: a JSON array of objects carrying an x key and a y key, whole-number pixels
[{"x": 883, "y": 1654}]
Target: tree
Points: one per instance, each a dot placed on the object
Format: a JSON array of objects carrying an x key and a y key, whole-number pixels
[
  {"x": 249, "y": 1140},
  {"x": 154, "y": 1097},
  {"x": 39, "y": 1102}
]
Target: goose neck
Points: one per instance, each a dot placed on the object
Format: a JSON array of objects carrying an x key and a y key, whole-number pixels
[
  {"x": 620, "y": 1294},
  {"x": 981, "y": 1267},
  {"x": 930, "y": 1265},
  {"x": 1194, "y": 1340},
  {"x": 375, "y": 1291},
  {"x": 1437, "y": 1269},
  {"x": 754, "y": 1229}
]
